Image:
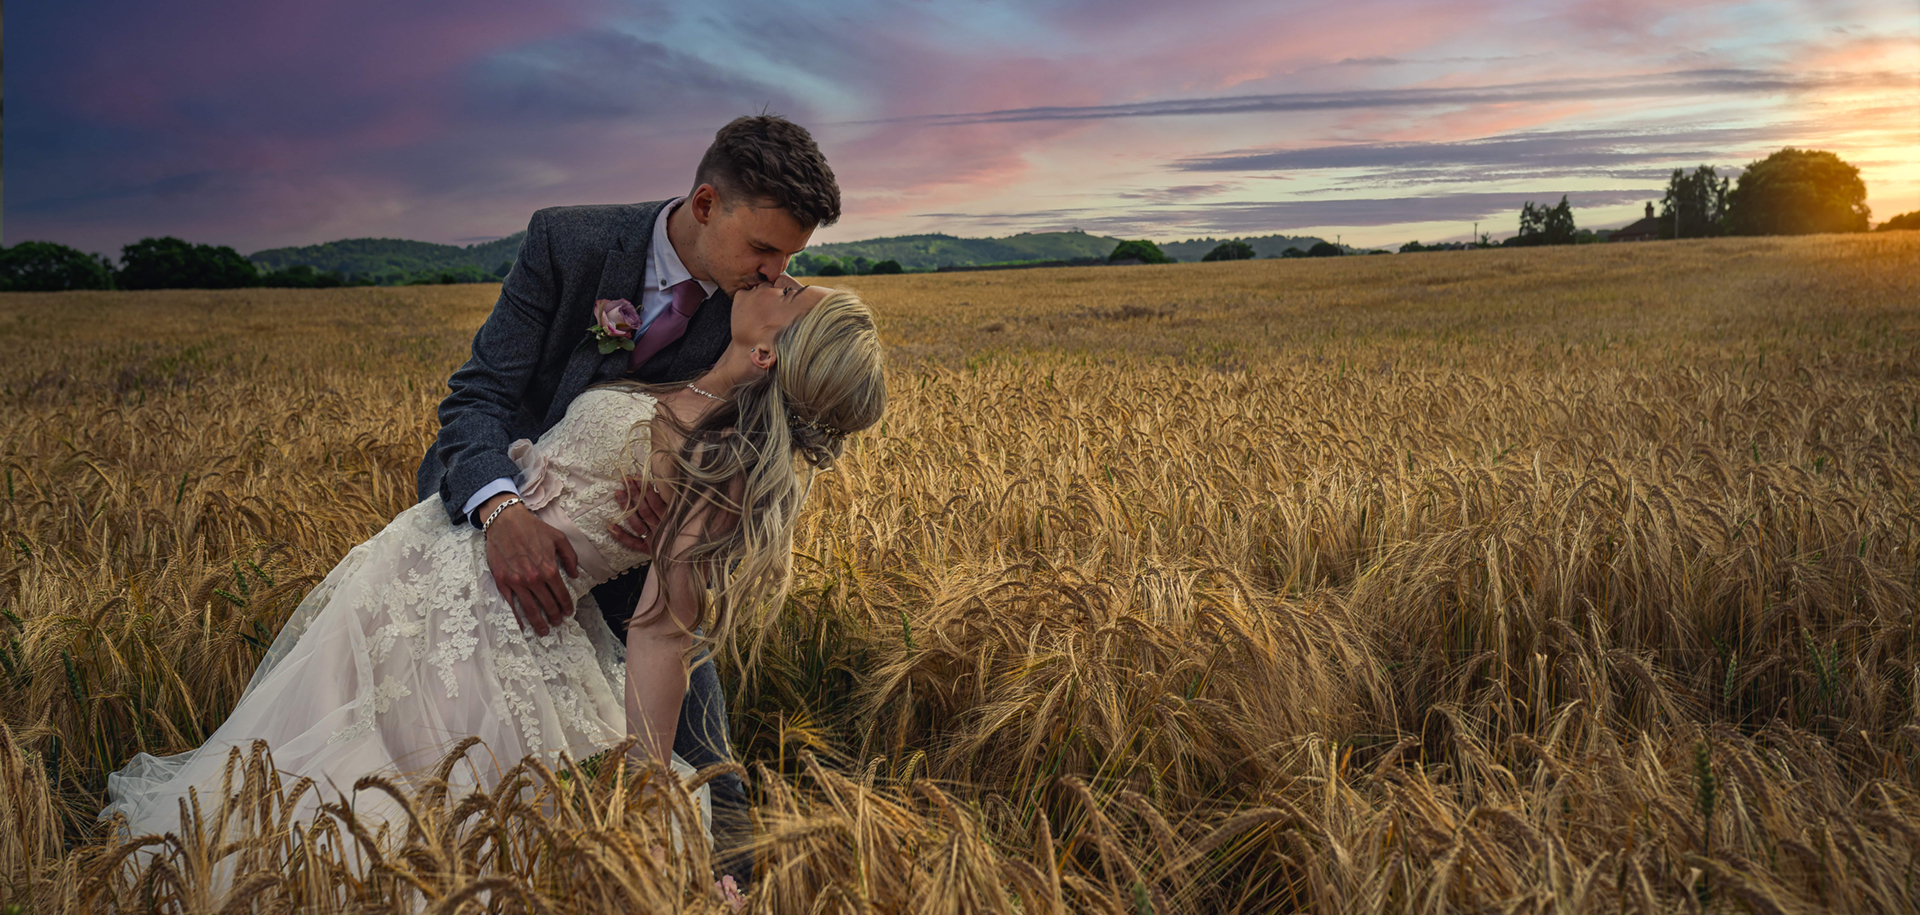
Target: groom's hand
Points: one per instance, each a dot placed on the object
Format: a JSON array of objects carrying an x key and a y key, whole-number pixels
[
  {"x": 526, "y": 555},
  {"x": 645, "y": 509}
]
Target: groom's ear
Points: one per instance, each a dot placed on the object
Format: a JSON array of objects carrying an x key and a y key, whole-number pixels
[{"x": 703, "y": 202}]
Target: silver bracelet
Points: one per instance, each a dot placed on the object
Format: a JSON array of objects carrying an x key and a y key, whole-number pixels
[{"x": 496, "y": 513}]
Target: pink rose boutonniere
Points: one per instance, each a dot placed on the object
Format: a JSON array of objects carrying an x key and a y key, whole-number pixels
[{"x": 617, "y": 321}]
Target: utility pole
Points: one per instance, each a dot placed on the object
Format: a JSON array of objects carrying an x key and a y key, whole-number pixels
[{"x": 1476, "y": 236}]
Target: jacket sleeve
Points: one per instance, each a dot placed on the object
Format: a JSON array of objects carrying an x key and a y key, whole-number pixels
[{"x": 477, "y": 415}]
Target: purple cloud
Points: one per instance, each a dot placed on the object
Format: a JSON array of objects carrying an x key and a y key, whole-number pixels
[{"x": 264, "y": 122}]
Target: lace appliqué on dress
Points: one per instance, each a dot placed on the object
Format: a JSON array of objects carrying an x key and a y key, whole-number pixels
[
  {"x": 376, "y": 704},
  {"x": 558, "y": 691}
]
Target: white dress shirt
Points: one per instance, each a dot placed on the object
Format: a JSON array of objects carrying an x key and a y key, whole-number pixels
[{"x": 664, "y": 271}]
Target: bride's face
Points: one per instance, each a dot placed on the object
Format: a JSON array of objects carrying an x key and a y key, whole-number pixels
[{"x": 761, "y": 312}]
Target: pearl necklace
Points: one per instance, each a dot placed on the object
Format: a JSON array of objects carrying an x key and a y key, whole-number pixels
[{"x": 696, "y": 389}]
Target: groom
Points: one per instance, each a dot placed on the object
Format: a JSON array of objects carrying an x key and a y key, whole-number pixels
[{"x": 760, "y": 191}]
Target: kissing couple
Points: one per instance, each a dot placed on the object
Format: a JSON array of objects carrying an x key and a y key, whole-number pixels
[{"x": 611, "y": 498}]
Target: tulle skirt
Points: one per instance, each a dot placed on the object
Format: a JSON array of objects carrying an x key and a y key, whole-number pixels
[{"x": 406, "y": 648}]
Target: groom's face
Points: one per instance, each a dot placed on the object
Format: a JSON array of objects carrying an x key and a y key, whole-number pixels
[{"x": 741, "y": 244}]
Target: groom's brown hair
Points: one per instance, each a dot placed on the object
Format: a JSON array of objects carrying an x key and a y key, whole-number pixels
[{"x": 769, "y": 158}]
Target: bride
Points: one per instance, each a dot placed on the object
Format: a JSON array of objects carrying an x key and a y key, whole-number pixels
[{"x": 407, "y": 646}]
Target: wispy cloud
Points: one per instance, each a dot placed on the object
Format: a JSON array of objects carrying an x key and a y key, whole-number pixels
[
  {"x": 1685, "y": 83},
  {"x": 1178, "y": 193},
  {"x": 1236, "y": 217},
  {"x": 1546, "y": 150},
  {"x": 1385, "y": 211}
]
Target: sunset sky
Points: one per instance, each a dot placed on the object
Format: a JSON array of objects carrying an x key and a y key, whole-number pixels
[{"x": 257, "y": 123}]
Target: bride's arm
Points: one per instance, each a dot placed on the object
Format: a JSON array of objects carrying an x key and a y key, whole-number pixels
[{"x": 658, "y": 640}]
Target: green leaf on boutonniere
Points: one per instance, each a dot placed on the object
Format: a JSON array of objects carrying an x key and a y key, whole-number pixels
[{"x": 608, "y": 345}]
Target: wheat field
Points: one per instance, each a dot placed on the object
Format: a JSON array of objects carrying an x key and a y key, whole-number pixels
[{"x": 1553, "y": 580}]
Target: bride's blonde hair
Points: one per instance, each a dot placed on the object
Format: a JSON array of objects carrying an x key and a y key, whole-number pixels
[{"x": 775, "y": 432}]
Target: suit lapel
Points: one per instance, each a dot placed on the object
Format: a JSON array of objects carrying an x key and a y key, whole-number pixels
[{"x": 620, "y": 277}]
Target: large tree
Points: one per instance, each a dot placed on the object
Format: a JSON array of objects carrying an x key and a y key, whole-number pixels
[
  {"x": 43, "y": 266},
  {"x": 1796, "y": 192},
  {"x": 1701, "y": 201},
  {"x": 1230, "y": 251},
  {"x": 169, "y": 263},
  {"x": 1544, "y": 225},
  {"x": 1141, "y": 250}
]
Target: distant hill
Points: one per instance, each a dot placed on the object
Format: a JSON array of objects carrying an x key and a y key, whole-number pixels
[
  {"x": 1194, "y": 249},
  {"x": 938, "y": 250},
  {"x": 357, "y": 257},
  {"x": 396, "y": 258}
]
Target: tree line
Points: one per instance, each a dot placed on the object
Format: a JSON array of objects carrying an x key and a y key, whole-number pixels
[
  {"x": 1147, "y": 252},
  {"x": 1791, "y": 192},
  {"x": 171, "y": 263},
  {"x": 804, "y": 264}
]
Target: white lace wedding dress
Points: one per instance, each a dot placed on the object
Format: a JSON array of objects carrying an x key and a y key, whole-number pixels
[{"x": 407, "y": 647}]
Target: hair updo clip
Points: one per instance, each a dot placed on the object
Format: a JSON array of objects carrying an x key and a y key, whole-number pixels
[{"x": 795, "y": 423}]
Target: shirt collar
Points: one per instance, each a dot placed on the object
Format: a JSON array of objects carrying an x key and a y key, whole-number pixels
[{"x": 664, "y": 269}]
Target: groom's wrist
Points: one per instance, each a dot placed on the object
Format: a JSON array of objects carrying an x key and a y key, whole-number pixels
[
  {"x": 486, "y": 509},
  {"x": 477, "y": 506}
]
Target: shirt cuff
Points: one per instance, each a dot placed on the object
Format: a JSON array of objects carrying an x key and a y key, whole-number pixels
[{"x": 504, "y": 484}]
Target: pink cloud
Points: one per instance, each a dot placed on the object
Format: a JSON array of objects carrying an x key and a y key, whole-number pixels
[{"x": 294, "y": 122}]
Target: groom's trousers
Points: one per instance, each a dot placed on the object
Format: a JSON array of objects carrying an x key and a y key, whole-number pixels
[{"x": 701, "y": 736}]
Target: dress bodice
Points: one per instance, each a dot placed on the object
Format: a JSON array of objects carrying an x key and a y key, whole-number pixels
[{"x": 580, "y": 463}]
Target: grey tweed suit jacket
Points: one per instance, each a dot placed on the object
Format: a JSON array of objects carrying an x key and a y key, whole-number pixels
[{"x": 534, "y": 354}]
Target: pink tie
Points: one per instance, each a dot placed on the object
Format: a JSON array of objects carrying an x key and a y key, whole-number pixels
[{"x": 687, "y": 296}]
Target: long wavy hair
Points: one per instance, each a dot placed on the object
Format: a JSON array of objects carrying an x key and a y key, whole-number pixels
[{"x": 776, "y": 433}]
